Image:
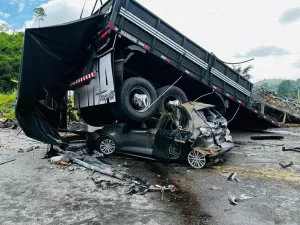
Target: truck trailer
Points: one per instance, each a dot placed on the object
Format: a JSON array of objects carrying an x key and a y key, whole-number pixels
[{"x": 123, "y": 63}]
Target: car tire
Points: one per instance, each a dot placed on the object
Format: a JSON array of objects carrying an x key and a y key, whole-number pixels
[
  {"x": 196, "y": 159},
  {"x": 137, "y": 85},
  {"x": 106, "y": 145},
  {"x": 174, "y": 93}
]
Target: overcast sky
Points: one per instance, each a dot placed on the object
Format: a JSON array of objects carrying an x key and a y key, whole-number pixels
[{"x": 233, "y": 30}]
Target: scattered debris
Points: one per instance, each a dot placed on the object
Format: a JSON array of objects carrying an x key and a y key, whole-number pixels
[
  {"x": 232, "y": 177},
  {"x": 267, "y": 137},
  {"x": 286, "y": 165},
  {"x": 97, "y": 154},
  {"x": 30, "y": 149},
  {"x": 8, "y": 123},
  {"x": 7, "y": 161},
  {"x": 103, "y": 169},
  {"x": 252, "y": 154},
  {"x": 105, "y": 184},
  {"x": 63, "y": 163},
  {"x": 71, "y": 168},
  {"x": 137, "y": 186},
  {"x": 162, "y": 189},
  {"x": 234, "y": 201},
  {"x": 292, "y": 125},
  {"x": 126, "y": 164},
  {"x": 137, "y": 189},
  {"x": 296, "y": 149},
  {"x": 56, "y": 159},
  {"x": 244, "y": 197}
]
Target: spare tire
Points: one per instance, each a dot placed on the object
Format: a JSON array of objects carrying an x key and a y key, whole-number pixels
[
  {"x": 136, "y": 95},
  {"x": 174, "y": 93}
]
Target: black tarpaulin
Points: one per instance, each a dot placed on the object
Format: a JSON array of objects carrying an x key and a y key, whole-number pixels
[{"x": 51, "y": 55}]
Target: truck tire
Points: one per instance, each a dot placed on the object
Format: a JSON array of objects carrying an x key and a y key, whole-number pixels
[
  {"x": 174, "y": 93},
  {"x": 133, "y": 107}
]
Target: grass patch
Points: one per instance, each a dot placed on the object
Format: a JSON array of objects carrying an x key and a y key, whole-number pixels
[{"x": 6, "y": 108}]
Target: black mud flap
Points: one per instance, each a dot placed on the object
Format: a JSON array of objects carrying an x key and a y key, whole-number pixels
[{"x": 51, "y": 57}]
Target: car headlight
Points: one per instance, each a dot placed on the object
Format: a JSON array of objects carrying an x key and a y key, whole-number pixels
[{"x": 204, "y": 131}]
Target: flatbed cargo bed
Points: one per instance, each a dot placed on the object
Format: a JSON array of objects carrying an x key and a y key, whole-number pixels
[{"x": 136, "y": 23}]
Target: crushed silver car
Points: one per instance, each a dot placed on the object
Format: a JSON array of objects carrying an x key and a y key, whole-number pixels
[{"x": 201, "y": 130}]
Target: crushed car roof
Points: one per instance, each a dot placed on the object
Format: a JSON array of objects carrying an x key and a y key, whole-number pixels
[{"x": 190, "y": 106}]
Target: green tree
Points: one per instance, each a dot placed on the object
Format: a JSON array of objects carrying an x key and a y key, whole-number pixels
[
  {"x": 3, "y": 27},
  {"x": 10, "y": 58},
  {"x": 287, "y": 89},
  {"x": 265, "y": 85},
  {"x": 40, "y": 14},
  {"x": 244, "y": 72}
]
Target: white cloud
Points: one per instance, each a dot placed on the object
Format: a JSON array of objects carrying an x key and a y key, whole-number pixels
[
  {"x": 226, "y": 28},
  {"x": 21, "y": 6},
  {"x": 5, "y": 27},
  {"x": 4, "y": 14},
  {"x": 62, "y": 11},
  {"x": 290, "y": 15},
  {"x": 20, "y": 3}
]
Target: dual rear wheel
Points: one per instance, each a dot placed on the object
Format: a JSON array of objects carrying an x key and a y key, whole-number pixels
[{"x": 138, "y": 98}]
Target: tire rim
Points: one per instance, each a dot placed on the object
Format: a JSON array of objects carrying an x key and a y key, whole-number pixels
[
  {"x": 138, "y": 104},
  {"x": 196, "y": 159},
  {"x": 174, "y": 151},
  {"x": 169, "y": 99},
  {"x": 107, "y": 146}
]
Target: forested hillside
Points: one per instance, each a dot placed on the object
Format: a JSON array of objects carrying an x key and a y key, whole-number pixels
[{"x": 287, "y": 88}]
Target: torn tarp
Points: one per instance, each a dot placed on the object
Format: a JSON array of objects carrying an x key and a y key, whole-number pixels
[{"x": 51, "y": 57}]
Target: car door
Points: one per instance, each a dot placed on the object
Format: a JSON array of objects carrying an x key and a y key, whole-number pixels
[{"x": 137, "y": 141}]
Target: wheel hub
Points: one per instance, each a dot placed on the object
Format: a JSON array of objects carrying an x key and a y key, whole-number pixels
[
  {"x": 107, "y": 146},
  {"x": 196, "y": 159},
  {"x": 140, "y": 99}
]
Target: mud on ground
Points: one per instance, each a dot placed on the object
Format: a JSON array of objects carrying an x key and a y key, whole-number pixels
[{"x": 33, "y": 191}]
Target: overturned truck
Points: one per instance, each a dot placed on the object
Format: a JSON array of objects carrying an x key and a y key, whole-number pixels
[{"x": 124, "y": 64}]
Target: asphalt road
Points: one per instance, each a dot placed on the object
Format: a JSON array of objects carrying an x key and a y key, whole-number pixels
[{"x": 33, "y": 191}]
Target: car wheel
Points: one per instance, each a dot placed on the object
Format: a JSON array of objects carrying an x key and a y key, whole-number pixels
[
  {"x": 174, "y": 93},
  {"x": 136, "y": 95},
  {"x": 106, "y": 145},
  {"x": 196, "y": 159}
]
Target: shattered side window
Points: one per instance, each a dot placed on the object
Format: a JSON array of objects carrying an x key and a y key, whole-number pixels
[
  {"x": 175, "y": 119},
  {"x": 209, "y": 115}
]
